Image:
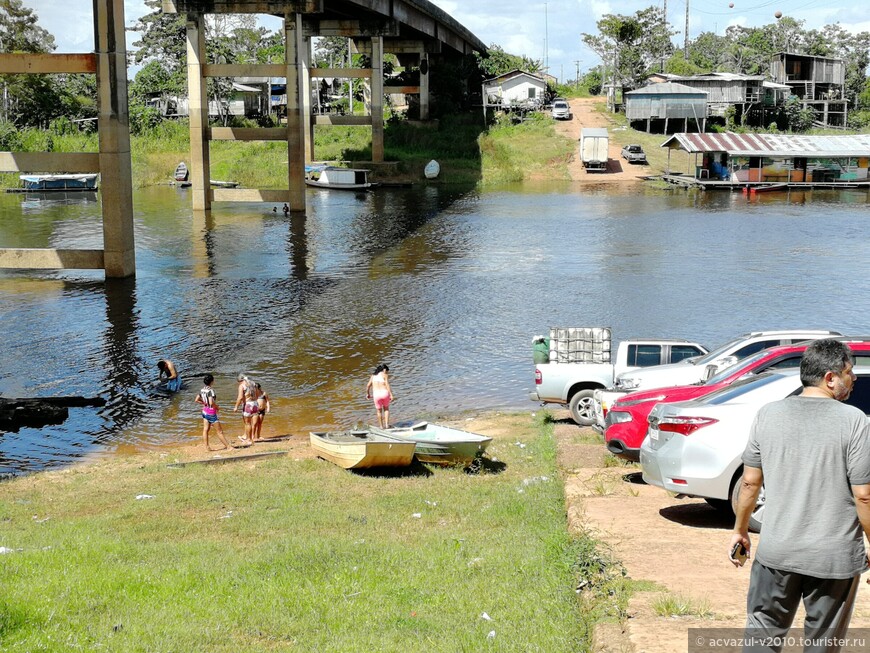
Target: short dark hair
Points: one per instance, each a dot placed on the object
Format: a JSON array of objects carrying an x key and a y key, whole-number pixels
[
  {"x": 821, "y": 357},
  {"x": 161, "y": 365},
  {"x": 208, "y": 379}
]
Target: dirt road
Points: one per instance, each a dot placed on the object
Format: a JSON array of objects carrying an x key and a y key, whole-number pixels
[
  {"x": 677, "y": 544},
  {"x": 618, "y": 170}
]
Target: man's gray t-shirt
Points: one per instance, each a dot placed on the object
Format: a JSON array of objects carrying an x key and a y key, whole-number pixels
[{"x": 811, "y": 450}]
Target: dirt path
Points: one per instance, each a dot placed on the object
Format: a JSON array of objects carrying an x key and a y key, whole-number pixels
[
  {"x": 618, "y": 170},
  {"x": 677, "y": 544}
]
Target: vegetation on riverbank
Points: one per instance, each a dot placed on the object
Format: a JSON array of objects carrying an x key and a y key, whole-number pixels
[{"x": 128, "y": 554}]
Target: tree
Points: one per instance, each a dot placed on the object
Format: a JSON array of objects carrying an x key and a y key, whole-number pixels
[
  {"x": 706, "y": 51},
  {"x": 497, "y": 62},
  {"x": 800, "y": 119},
  {"x": 162, "y": 46}
]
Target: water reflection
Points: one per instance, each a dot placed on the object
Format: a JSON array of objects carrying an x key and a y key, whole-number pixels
[{"x": 445, "y": 285}]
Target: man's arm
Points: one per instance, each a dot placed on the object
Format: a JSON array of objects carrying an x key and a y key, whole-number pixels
[{"x": 750, "y": 487}]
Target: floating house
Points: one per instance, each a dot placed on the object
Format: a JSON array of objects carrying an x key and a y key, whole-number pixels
[{"x": 731, "y": 159}]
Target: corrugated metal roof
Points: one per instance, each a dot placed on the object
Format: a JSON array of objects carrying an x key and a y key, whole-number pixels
[
  {"x": 663, "y": 88},
  {"x": 772, "y": 144}
]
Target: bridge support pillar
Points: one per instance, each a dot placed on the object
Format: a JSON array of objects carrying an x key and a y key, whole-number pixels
[
  {"x": 424, "y": 86},
  {"x": 377, "y": 110},
  {"x": 119, "y": 255},
  {"x": 297, "y": 106},
  {"x": 200, "y": 168}
]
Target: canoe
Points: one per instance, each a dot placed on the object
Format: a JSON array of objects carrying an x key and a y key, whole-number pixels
[
  {"x": 440, "y": 444},
  {"x": 181, "y": 172},
  {"x": 432, "y": 169},
  {"x": 362, "y": 449}
]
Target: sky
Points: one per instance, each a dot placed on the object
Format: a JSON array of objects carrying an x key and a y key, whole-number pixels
[{"x": 548, "y": 31}]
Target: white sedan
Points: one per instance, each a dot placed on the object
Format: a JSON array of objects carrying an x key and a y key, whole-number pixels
[{"x": 695, "y": 448}]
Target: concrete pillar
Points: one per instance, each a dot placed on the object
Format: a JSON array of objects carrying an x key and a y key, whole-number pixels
[
  {"x": 424, "y": 86},
  {"x": 305, "y": 97},
  {"x": 378, "y": 99},
  {"x": 294, "y": 43},
  {"x": 200, "y": 168},
  {"x": 116, "y": 188}
]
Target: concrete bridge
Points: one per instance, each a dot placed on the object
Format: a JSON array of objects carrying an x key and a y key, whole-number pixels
[{"x": 417, "y": 31}]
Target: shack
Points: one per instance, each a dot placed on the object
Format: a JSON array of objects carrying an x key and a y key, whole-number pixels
[
  {"x": 746, "y": 159},
  {"x": 658, "y": 104},
  {"x": 819, "y": 83},
  {"x": 516, "y": 88}
]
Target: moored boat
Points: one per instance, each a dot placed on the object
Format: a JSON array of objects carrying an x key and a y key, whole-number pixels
[
  {"x": 181, "y": 172},
  {"x": 338, "y": 178},
  {"x": 60, "y": 182},
  {"x": 361, "y": 449},
  {"x": 440, "y": 444}
]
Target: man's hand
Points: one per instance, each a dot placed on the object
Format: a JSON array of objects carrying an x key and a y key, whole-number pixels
[{"x": 740, "y": 538}]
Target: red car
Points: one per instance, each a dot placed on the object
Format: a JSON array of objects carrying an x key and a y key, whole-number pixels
[{"x": 625, "y": 425}]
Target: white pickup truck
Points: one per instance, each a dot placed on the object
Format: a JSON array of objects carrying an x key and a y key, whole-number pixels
[{"x": 578, "y": 361}]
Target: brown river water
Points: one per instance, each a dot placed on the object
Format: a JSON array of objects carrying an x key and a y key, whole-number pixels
[{"x": 446, "y": 285}]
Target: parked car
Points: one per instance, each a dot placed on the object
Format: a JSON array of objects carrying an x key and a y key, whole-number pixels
[
  {"x": 735, "y": 350},
  {"x": 561, "y": 109},
  {"x": 695, "y": 448},
  {"x": 626, "y": 423},
  {"x": 634, "y": 154}
]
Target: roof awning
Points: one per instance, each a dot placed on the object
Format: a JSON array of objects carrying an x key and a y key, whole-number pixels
[{"x": 771, "y": 145}]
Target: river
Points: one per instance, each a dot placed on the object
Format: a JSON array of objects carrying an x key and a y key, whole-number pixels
[{"x": 448, "y": 286}]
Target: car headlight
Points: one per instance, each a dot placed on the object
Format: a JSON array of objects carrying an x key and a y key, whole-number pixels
[
  {"x": 635, "y": 402},
  {"x": 619, "y": 417},
  {"x": 627, "y": 384}
]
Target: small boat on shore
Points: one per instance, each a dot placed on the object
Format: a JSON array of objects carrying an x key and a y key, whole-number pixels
[
  {"x": 181, "y": 172},
  {"x": 338, "y": 178},
  {"x": 59, "y": 182},
  {"x": 362, "y": 449},
  {"x": 440, "y": 444}
]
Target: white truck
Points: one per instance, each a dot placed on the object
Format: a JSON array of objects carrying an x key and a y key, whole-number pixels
[
  {"x": 593, "y": 148},
  {"x": 574, "y": 362}
]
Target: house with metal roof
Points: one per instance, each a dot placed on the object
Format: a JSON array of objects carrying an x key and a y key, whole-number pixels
[
  {"x": 731, "y": 159},
  {"x": 657, "y": 104},
  {"x": 819, "y": 83},
  {"x": 516, "y": 88}
]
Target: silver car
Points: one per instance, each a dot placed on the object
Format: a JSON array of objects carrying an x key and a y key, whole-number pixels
[
  {"x": 561, "y": 109},
  {"x": 695, "y": 448}
]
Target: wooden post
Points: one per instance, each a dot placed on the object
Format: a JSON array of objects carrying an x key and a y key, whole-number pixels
[
  {"x": 377, "y": 99},
  {"x": 424, "y": 86},
  {"x": 294, "y": 43},
  {"x": 119, "y": 256},
  {"x": 197, "y": 109}
]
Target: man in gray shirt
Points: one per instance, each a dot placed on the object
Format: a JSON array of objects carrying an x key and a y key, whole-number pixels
[{"x": 812, "y": 453}]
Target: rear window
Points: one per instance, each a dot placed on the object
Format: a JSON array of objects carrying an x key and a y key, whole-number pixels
[{"x": 680, "y": 352}]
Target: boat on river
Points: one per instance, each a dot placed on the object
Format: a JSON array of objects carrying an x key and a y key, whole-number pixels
[
  {"x": 440, "y": 444},
  {"x": 59, "y": 182},
  {"x": 362, "y": 449},
  {"x": 321, "y": 176}
]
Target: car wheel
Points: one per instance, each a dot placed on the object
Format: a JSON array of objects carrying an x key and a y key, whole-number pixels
[
  {"x": 582, "y": 408},
  {"x": 757, "y": 516}
]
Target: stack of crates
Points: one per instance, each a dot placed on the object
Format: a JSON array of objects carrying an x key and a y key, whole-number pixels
[{"x": 580, "y": 345}]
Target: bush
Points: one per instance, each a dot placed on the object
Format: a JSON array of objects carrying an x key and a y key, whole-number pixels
[
  {"x": 10, "y": 139},
  {"x": 62, "y": 126},
  {"x": 858, "y": 120},
  {"x": 37, "y": 140},
  {"x": 143, "y": 119}
]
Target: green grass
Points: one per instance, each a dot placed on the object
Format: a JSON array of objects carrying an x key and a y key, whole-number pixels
[
  {"x": 300, "y": 555},
  {"x": 669, "y": 605}
]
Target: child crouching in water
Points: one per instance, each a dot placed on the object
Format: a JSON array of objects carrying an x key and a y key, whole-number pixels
[{"x": 210, "y": 409}]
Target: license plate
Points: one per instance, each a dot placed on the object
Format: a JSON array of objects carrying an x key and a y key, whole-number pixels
[{"x": 654, "y": 435}]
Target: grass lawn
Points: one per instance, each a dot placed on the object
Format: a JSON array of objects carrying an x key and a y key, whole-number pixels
[{"x": 297, "y": 554}]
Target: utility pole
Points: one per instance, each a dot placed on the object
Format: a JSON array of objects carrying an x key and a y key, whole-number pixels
[
  {"x": 577, "y": 77},
  {"x": 546, "y": 44},
  {"x": 686, "y": 41},
  {"x": 665, "y": 19}
]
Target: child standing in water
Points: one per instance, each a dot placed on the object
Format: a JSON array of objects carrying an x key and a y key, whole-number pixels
[
  {"x": 378, "y": 388},
  {"x": 207, "y": 398}
]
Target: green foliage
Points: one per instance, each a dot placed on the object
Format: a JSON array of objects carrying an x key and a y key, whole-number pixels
[
  {"x": 497, "y": 62},
  {"x": 37, "y": 140},
  {"x": 799, "y": 118},
  {"x": 677, "y": 65},
  {"x": 143, "y": 118},
  {"x": 859, "y": 120},
  {"x": 19, "y": 31},
  {"x": 10, "y": 138},
  {"x": 592, "y": 81}
]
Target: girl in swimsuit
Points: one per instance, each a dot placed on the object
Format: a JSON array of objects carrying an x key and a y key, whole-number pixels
[
  {"x": 265, "y": 407},
  {"x": 378, "y": 388},
  {"x": 207, "y": 398},
  {"x": 248, "y": 396}
]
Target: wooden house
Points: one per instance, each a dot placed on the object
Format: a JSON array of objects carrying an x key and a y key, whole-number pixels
[
  {"x": 658, "y": 104},
  {"x": 516, "y": 88},
  {"x": 819, "y": 82}
]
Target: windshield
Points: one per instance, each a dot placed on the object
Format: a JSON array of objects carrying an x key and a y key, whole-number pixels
[
  {"x": 749, "y": 384},
  {"x": 561, "y": 105},
  {"x": 716, "y": 353},
  {"x": 728, "y": 371}
]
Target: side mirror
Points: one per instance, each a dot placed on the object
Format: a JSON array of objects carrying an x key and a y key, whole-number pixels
[{"x": 709, "y": 372}]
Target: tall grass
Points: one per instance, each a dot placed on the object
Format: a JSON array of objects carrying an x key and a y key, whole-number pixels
[{"x": 285, "y": 554}]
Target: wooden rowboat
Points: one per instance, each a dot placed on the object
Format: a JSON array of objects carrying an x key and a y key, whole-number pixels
[
  {"x": 440, "y": 444},
  {"x": 362, "y": 449}
]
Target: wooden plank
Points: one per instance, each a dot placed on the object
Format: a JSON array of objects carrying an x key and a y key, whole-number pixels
[
  {"x": 24, "y": 63},
  {"x": 341, "y": 73},
  {"x": 351, "y": 28},
  {"x": 244, "y": 70},
  {"x": 329, "y": 119},
  {"x": 407, "y": 90},
  {"x": 51, "y": 259},
  {"x": 248, "y": 133},
  {"x": 250, "y": 195},
  {"x": 49, "y": 162}
]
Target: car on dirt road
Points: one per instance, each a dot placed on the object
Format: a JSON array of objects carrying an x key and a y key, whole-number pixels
[
  {"x": 695, "y": 448},
  {"x": 626, "y": 424},
  {"x": 634, "y": 154},
  {"x": 561, "y": 110}
]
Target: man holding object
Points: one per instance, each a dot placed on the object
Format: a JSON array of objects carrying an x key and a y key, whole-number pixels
[{"x": 812, "y": 453}]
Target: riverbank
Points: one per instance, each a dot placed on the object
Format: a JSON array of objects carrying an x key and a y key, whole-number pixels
[{"x": 154, "y": 551}]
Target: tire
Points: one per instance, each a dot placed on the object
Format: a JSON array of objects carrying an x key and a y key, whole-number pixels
[
  {"x": 582, "y": 407},
  {"x": 757, "y": 517}
]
